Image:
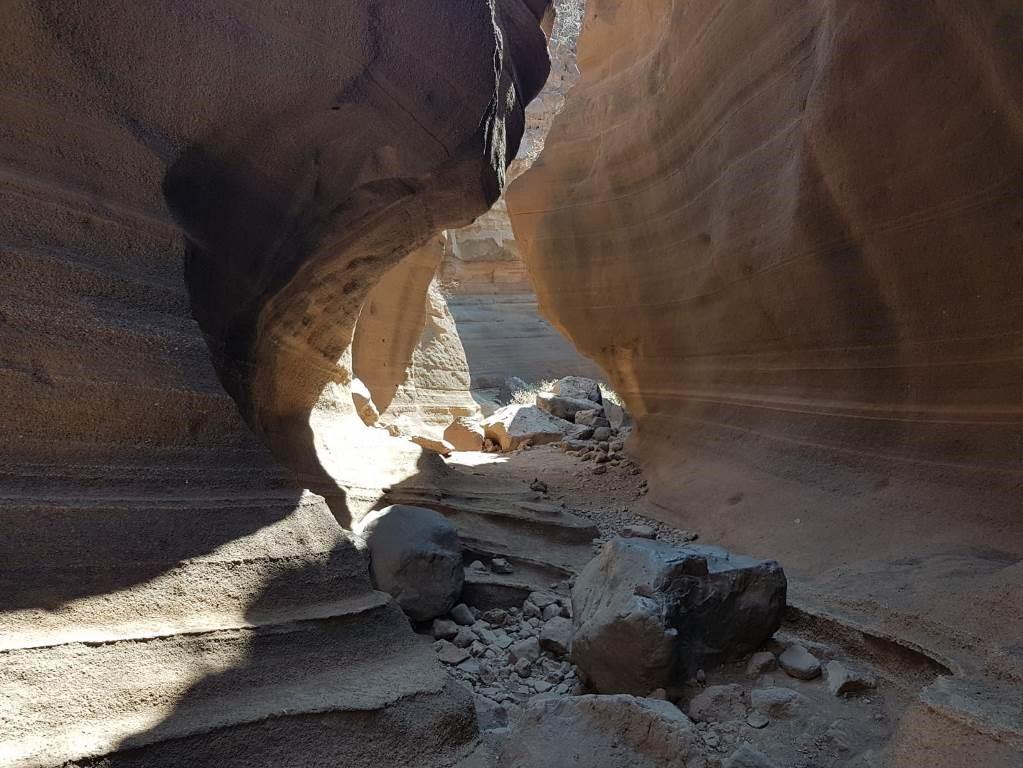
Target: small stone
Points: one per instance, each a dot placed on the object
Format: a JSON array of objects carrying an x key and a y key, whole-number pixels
[
  {"x": 485, "y": 635},
  {"x": 542, "y": 686},
  {"x": 639, "y": 532},
  {"x": 556, "y": 636},
  {"x": 477, "y": 565},
  {"x": 843, "y": 679},
  {"x": 502, "y": 566},
  {"x": 477, "y": 649},
  {"x": 761, "y": 663},
  {"x": 523, "y": 667},
  {"x": 551, "y": 611},
  {"x": 528, "y": 649},
  {"x": 601, "y": 433},
  {"x": 711, "y": 739},
  {"x": 462, "y": 615},
  {"x": 530, "y": 610},
  {"x": 600, "y": 458},
  {"x": 464, "y": 638},
  {"x": 538, "y": 485},
  {"x": 659, "y": 694},
  {"x": 600, "y": 469},
  {"x": 495, "y": 616},
  {"x": 444, "y": 629},
  {"x": 470, "y": 667},
  {"x": 503, "y": 641},
  {"x": 799, "y": 663},
  {"x": 757, "y": 720},
  {"x": 449, "y": 654},
  {"x": 701, "y": 677}
]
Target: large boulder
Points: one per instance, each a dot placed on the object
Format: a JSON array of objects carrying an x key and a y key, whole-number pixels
[
  {"x": 601, "y": 732},
  {"x": 415, "y": 556},
  {"x": 562, "y": 407},
  {"x": 649, "y": 614},
  {"x": 578, "y": 388},
  {"x": 513, "y": 425}
]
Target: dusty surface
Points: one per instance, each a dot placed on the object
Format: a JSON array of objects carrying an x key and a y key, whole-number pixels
[{"x": 805, "y": 279}]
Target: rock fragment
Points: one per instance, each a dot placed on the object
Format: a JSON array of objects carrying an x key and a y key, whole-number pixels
[
  {"x": 448, "y": 653},
  {"x": 462, "y": 615},
  {"x": 415, "y": 556},
  {"x": 556, "y": 636},
  {"x": 514, "y": 426},
  {"x": 799, "y": 663},
  {"x": 444, "y": 629},
  {"x": 633, "y": 643},
  {"x": 578, "y": 387},
  {"x": 561, "y": 406}
]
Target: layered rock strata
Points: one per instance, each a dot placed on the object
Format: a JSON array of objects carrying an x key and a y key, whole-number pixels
[
  {"x": 212, "y": 180},
  {"x": 791, "y": 233}
]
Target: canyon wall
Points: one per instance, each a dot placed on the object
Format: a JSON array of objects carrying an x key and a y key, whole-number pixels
[
  {"x": 792, "y": 234},
  {"x": 482, "y": 274},
  {"x": 198, "y": 199}
]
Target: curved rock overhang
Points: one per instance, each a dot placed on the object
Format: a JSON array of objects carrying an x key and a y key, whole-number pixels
[
  {"x": 296, "y": 208},
  {"x": 792, "y": 233}
]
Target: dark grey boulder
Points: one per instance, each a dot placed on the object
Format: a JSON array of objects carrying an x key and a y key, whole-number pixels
[
  {"x": 649, "y": 614},
  {"x": 415, "y": 556}
]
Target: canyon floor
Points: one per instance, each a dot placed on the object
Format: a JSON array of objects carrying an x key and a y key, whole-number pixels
[{"x": 796, "y": 723}]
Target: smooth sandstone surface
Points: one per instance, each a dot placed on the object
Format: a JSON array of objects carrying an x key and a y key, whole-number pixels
[{"x": 792, "y": 234}]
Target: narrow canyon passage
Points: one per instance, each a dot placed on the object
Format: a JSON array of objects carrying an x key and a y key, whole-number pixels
[{"x": 684, "y": 366}]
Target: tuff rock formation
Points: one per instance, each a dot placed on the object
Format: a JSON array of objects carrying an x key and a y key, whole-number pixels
[
  {"x": 792, "y": 234},
  {"x": 199, "y": 198}
]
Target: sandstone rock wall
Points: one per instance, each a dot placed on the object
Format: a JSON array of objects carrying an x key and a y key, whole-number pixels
[
  {"x": 408, "y": 353},
  {"x": 198, "y": 198},
  {"x": 483, "y": 276},
  {"x": 791, "y": 233}
]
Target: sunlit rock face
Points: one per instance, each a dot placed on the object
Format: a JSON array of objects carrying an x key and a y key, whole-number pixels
[
  {"x": 792, "y": 234},
  {"x": 408, "y": 353},
  {"x": 198, "y": 198}
]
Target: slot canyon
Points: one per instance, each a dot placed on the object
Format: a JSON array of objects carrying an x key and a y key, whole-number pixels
[{"x": 511, "y": 384}]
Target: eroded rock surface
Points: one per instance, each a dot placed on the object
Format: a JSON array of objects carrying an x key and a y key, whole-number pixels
[{"x": 803, "y": 275}]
